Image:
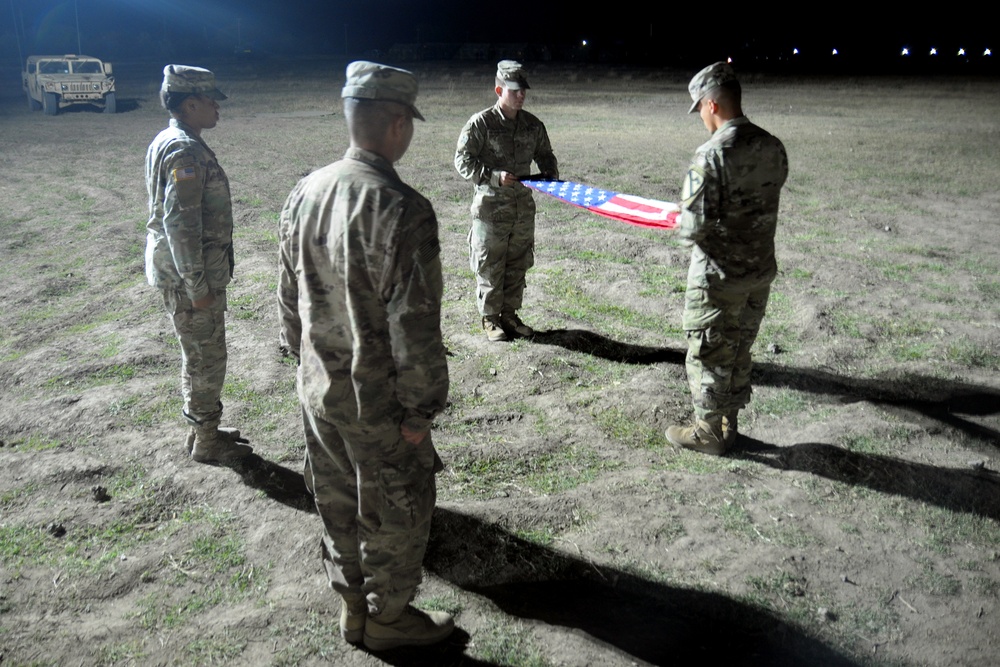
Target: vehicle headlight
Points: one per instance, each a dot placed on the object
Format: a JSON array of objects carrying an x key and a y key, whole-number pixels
[{"x": 64, "y": 86}]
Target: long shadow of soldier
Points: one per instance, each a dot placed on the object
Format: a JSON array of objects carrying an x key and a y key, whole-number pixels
[
  {"x": 628, "y": 614},
  {"x": 625, "y": 613},
  {"x": 931, "y": 400},
  {"x": 969, "y": 491}
]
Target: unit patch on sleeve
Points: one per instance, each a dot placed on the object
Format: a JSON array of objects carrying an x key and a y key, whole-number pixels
[{"x": 693, "y": 184}]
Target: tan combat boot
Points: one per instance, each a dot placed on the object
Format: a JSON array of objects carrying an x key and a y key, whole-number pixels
[
  {"x": 511, "y": 322},
  {"x": 208, "y": 442},
  {"x": 353, "y": 614},
  {"x": 494, "y": 331},
  {"x": 729, "y": 426},
  {"x": 413, "y": 627},
  {"x": 702, "y": 436}
]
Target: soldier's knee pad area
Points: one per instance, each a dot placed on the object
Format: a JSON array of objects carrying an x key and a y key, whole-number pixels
[
  {"x": 198, "y": 324},
  {"x": 712, "y": 345}
]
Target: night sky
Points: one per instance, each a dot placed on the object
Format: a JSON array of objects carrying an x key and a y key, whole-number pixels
[{"x": 620, "y": 32}]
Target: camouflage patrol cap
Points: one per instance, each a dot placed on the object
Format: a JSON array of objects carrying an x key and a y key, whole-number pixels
[
  {"x": 191, "y": 80},
  {"x": 707, "y": 80},
  {"x": 512, "y": 74},
  {"x": 372, "y": 81}
]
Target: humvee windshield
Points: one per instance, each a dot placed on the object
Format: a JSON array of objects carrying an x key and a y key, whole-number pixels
[
  {"x": 53, "y": 67},
  {"x": 87, "y": 67}
]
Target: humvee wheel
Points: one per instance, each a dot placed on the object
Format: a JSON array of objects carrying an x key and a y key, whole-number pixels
[{"x": 51, "y": 104}]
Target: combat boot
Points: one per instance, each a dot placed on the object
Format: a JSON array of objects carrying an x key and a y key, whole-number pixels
[
  {"x": 353, "y": 614},
  {"x": 413, "y": 627},
  {"x": 729, "y": 426},
  {"x": 512, "y": 323},
  {"x": 494, "y": 331},
  {"x": 703, "y": 436},
  {"x": 207, "y": 442}
]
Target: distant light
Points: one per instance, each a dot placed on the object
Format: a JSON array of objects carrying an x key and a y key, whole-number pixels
[
  {"x": 835, "y": 52},
  {"x": 905, "y": 52},
  {"x": 933, "y": 51},
  {"x": 729, "y": 60},
  {"x": 987, "y": 52},
  {"x": 961, "y": 52},
  {"x": 795, "y": 52},
  {"x": 584, "y": 43}
]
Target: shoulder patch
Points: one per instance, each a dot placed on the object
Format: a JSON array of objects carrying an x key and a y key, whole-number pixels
[
  {"x": 429, "y": 249},
  {"x": 694, "y": 183},
  {"x": 183, "y": 174}
]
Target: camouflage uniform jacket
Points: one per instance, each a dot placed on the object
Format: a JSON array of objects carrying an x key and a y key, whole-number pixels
[
  {"x": 730, "y": 207},
  {"x": 490, "y": 143},
  {"x": 359, "y": 295},
  {"x": 189, "y": 240}
]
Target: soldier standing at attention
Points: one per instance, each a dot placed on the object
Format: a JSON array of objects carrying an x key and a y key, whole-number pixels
[
  {"x": 728, "y": 218},
  {"x": 189, "y": 252},
  {"x": 359, "y": 299},
  {"x": 495, "y": 151}
]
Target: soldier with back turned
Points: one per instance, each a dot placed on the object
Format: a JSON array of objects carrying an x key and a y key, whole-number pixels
[{"x": 360, "y": 290}]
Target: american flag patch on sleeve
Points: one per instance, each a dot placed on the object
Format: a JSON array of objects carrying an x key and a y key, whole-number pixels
[
  {"x": 429, "y": 249},
  {"x": 183, "y": 174}
]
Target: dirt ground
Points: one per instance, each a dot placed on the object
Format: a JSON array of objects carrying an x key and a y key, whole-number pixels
[{"x": 857, "y": 521}]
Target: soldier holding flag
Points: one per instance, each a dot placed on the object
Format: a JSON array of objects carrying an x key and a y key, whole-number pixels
[
  {"x": 495, "y": 151},
  {"x": 728, "y": 218}
]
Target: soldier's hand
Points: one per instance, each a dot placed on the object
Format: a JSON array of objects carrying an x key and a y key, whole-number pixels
[
  {"x": 507, "y": 179},
  {"x": 411, "y": 436},
  {"x": 206, "y": 301}
]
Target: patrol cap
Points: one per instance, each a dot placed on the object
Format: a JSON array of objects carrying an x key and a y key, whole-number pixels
[
  {"x": 512, "y": 74},
  {"x": 707, "y": 80},
  {"x": 372, "y": 81},
  {"x": 191, "y": 80}
]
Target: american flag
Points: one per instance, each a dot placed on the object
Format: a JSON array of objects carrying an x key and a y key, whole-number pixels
[{"x": 615, "y": 205}]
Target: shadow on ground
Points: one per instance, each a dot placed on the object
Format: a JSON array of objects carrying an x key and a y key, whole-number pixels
[
  {"x": 959, "y": 490},
  {"x": 628, "y": 614},
  {"x": 933, "y": 401},
  {"x": 623, "y": 612},
  {"x": 278, "y": 482}
]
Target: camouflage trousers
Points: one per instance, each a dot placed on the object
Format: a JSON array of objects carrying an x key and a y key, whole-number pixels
[
  {"x": 202, "y": 337},
  {"x": 721, "y": 327},
  {"x": 375, "y": 493},
  {"x": 500, "y": 254}
]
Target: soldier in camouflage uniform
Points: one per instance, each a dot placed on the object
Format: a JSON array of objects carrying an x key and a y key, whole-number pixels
[
  {"x": 729, "y": 214},
  {"x": 359, "y": 295},
  {"x": 189, "y": 252},
  {"x": 495, "y": 151}
]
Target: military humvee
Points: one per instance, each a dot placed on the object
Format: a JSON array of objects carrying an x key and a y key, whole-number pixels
[{"x": 54, "y": 82}]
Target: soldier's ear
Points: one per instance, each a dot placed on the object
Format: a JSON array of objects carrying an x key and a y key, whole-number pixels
[
  {"x": 189, "y": 104},
  {"x": 397, "y": 128},
  {"x": 499, "y": 90}
]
